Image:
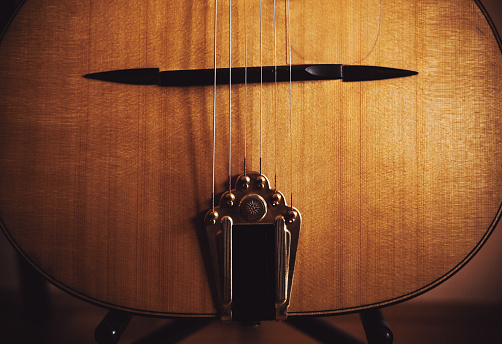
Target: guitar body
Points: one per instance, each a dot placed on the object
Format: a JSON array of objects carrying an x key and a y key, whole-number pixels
[{"x": 104, "y": 186}]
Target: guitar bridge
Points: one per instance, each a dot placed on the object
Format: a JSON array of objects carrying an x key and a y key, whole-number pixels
[{"x": 252, "y": 237}]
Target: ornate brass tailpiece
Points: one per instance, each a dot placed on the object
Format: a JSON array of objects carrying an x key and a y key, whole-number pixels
[{"x": 251, "y": 206}]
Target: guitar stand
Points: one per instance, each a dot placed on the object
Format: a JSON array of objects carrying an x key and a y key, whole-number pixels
[{"x": 375, "y": 327}]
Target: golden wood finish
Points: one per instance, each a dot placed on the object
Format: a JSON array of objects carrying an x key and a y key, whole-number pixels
[{"x": 103, "y": 186}]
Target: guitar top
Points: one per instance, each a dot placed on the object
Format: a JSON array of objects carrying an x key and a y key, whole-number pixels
[{"x": 106, "y": 186}]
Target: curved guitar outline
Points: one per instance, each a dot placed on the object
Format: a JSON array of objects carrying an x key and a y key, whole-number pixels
[{"x": 396, "y": 300}]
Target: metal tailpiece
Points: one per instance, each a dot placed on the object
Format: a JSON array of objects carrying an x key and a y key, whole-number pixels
[{"x": 254, "y": 213}]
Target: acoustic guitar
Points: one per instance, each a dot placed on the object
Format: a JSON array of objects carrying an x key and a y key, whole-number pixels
[{"x": 225, "y": 158}]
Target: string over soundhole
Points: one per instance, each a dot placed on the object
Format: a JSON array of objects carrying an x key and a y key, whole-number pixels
[{"x": 252, "y": 238}]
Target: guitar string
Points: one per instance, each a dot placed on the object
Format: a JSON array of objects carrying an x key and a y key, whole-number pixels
[
  {"x": 261, "y": 97},
  {"x": 290, "y": 101},
  {"x": 275, "y": 99},
  {"x": 245, "y": 86},
  {"x": 230, "y": 101},
  {"x": 261, "y": 91},
  {"x": 214, "y": 100}
]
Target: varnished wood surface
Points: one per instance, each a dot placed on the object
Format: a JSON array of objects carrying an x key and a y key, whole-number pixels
[{"x": 103, "y": 186}]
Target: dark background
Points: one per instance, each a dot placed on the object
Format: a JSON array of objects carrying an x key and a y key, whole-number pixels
[{"x": 466, "y": 308}]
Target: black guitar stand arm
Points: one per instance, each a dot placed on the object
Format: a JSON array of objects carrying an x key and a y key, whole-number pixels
[
  {"x": 375, "y": 326},
  {"x": 113, "y": 325}
]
